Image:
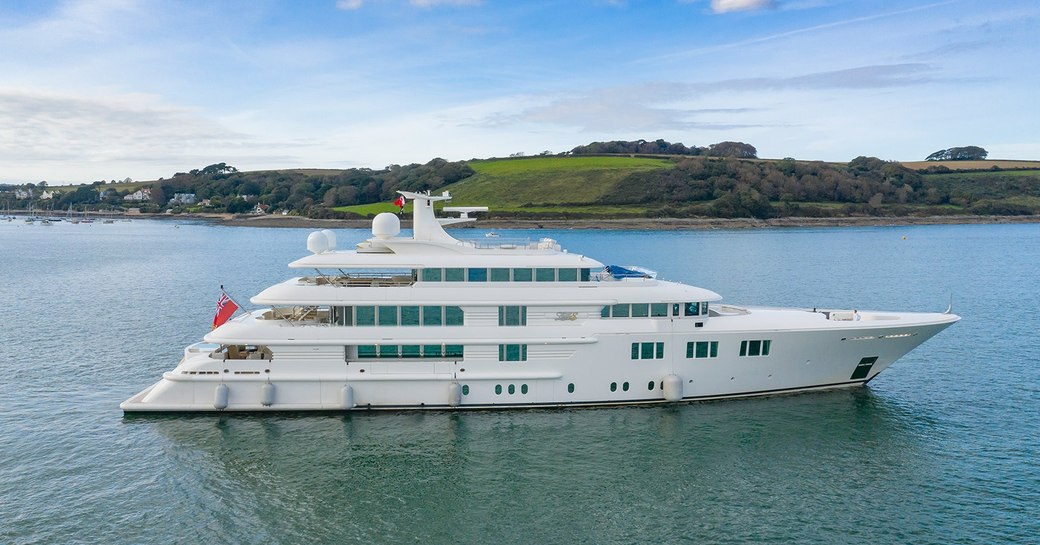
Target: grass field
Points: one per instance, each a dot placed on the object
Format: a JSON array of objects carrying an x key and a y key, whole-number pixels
[{"x": 546, "y": 181}]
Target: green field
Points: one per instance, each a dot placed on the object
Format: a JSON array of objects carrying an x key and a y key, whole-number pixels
[{"x": 546, "y": 181}]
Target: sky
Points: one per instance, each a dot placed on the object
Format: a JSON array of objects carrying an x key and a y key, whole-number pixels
[{"x": 111, "y": 89}]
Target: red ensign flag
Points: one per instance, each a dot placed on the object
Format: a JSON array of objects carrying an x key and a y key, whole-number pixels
[
  {"x": 399, "y": 202},
  {"x": 225, "y": 309}
]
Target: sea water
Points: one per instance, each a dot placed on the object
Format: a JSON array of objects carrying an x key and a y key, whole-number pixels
[{"x": 941, "y": 448}]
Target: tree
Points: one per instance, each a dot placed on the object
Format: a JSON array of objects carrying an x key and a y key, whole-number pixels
[
  {"x": 966, "y": 153},
  {"x": 733, "y": 149}
]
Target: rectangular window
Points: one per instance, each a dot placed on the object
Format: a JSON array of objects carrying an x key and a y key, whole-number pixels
[
  {"x": 366, "y": 315},
  {"x": 512, "y": 352},
  {"x": 387, "y": 315},
  {"x": 512, "y": 315},
  {"x": 453, "y": 351},
  {"x": 658, "y": 310},
  {"x": 605, "y": 313},
  {"x": 521, "y": 275},
  {"x": 675, "y": 309},
  {"x": 454, "y": 275},
  {"x": 477, "y": 275},
  {"x": 410, "y": 351},
  {"x": 388, "y": 351},
  {"x": 432, "y": 315},
  {"x": 431, "y": 275},
  {"x": 409, "y": 315},
  {"x": 432, "y": 351},
  {"x": 366, "y": 351},
  {"x": 620, "y": 311},
  {"x": 453, "y": 316},
  {"x": 343, "y": 315},
  {"x": 755, "y": 348},
  {"x": 499, "y": 275},
  {"x": 585, "y": 274},
  {"x": 702, "y": 349},
  {"x": 545, "y": 275},
  {"x": 647, "y": 351},
  {"x": 704, "y": 309},
  {"x": 692, "y": 309},
  {"x": 567, "y": 275},
  {"x": 640, "y": 310}
]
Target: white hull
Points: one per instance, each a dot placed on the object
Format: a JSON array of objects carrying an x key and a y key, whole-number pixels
[{"x": 800, "y": 360}]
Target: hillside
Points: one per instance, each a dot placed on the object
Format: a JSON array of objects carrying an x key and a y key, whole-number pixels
[{"x": 593, "y": 186}]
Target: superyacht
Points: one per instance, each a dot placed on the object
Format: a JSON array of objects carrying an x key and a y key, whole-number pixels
[{"x": 431, "y": 322}]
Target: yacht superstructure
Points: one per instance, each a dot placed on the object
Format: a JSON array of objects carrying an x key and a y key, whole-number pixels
[{"x": 433, "y": 322}]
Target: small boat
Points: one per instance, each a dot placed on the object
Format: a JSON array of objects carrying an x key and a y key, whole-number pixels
[{"x": 491, "y": 234}]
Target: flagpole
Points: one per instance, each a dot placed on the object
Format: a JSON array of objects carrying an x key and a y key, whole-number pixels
[{"x": 231, "y": 300}]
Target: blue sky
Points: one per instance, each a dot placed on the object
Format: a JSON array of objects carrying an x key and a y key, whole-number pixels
[{"x": 110, "y": 89}]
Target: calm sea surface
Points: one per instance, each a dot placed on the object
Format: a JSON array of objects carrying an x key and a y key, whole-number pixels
[{"x": 942, "y": 448}]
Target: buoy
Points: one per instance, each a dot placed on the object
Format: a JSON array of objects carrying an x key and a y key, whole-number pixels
[
  {"x": 673, "y": 388},
  {"x": 220, "y": 397},
  {"x": 346, "y": 397},
  {"x": 454, "y": 394},
  {"x": 267, "y": 394}
]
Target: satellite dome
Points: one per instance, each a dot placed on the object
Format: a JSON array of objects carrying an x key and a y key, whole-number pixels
[
  {"x": 331, "y": 236},
  {"x": 386, "y": 225},
  {"x": 317, "y": 242}
]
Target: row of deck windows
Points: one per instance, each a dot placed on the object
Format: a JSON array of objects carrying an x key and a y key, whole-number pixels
[
  {"x": 366, "y": 351},
  {"x": 518, "y": 352},
  {"x": 654, "y": 310},
  {"x": 397, "y": 315},
  {"x": 539, "y": 274}
]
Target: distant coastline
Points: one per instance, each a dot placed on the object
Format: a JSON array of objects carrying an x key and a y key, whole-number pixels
[{"x": 649, "y": 224}]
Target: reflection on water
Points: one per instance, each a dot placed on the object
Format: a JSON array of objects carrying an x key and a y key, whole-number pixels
[{"x": 639, "y": 471}]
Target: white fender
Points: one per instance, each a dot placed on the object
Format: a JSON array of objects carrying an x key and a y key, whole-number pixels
[
  {"x": 220, "y": 397},
  {"x": 673, "y": 387}
]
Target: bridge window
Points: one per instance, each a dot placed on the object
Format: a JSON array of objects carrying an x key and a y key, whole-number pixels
[
  {"x": 454, "y": 275},
  {"x": 522, "y": 275},
  {"x": 477, "y": 275},
  {"x": 431, "y": 275},
  {"x": 567, "y": 275},
  {"x": 545, "y": 274}
]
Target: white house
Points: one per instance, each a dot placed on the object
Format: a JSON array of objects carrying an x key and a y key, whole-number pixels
[
  {"x": 143, "y": 194},
  {"x": 183, "y": 198}
]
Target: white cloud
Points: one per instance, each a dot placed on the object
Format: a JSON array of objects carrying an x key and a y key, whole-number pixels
[
  {"x": 724, "y": 6},
  {"x": 349, "y": 4}
]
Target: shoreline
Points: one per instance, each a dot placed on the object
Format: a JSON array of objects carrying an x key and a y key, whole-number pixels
[{"x": 647, "y": 224}]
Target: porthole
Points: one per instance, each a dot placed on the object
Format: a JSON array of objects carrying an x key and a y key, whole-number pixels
[
  {"x": 650, "y": 385},
  {"x": 570, "y": 388},
  {"x": 523, "y": 388},
  {"x": 512, "y": 389},
  {"x": 624, "y": 386},
  {"x": 465, "y": 389},
  {"x": 498, "y": 389},
  {"x": 613, "y": 386}
]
